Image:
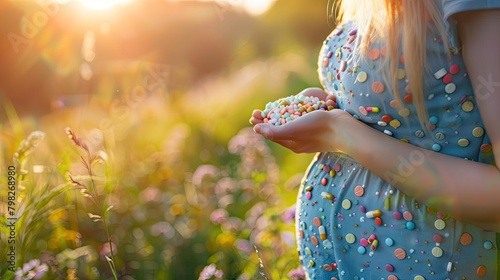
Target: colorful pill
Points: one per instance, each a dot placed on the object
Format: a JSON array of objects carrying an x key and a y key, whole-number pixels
[
  {"x": 440, "y": 73},
  {"x": 324, "y": 181},
  {"x": 372, "y": 238},
  {"x": 327, "y": 195},
  {"x": 374, "y": 245},
  {"x": 372, "y": 109},
  {"x": 373, "y": 213},
  {"x": 322, "y": 232}
]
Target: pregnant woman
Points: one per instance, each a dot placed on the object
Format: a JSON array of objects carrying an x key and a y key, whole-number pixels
[{"x": 404, "y": 184}]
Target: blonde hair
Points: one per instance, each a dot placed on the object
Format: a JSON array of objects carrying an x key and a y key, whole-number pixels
[{"x": 398, "y": 25}]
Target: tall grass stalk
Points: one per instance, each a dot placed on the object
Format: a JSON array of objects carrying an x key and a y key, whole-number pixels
[{"x": 93, "y": 194}]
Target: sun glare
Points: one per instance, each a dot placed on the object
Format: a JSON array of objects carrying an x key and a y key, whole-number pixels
[
  {"x": 102, "y": 4},
  {"x": 257, "y": 7}
]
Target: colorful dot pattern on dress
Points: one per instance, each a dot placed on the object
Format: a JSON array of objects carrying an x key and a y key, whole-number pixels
[{"x": 351, "y": 224}]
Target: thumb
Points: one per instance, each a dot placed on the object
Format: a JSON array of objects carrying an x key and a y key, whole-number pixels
[{"x": 264, "y": 130}]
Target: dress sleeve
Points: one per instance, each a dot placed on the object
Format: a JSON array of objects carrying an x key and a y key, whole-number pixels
[{"x": 451, "y": 7}]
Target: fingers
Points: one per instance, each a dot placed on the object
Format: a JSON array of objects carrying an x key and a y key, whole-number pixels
[
  {"x": 316, "y": 92},
  {"x": 256, "y": 117}
]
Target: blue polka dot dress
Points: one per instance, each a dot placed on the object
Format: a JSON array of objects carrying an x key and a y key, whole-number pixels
[{"x": 352, "y": 224}]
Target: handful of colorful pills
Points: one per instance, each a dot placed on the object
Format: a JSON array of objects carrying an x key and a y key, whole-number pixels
[{"x": 289, "y": 108}]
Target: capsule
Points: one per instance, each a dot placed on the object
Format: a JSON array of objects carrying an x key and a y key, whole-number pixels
[
  {"x": 374, "y": 245},
  {"x": 372, "y": 238},
  {"x": 373, "y": 213},
  {"x": 327, "y": 195},
  {"x": 322, "y": 232}
]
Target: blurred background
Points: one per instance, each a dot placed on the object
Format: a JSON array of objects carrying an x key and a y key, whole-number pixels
[{"x": 125, "y": 123}]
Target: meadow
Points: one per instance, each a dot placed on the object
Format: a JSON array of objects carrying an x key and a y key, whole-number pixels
[{"x": 148, "y": 167}]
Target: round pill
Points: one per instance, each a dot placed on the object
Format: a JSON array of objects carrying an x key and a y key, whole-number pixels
[
  {"x": 439, "y": 224},
  {"x": 437, "y": 252},
  {"x": 454, "y": 69},
  {"x": 378, "y": 221},
  {"x": 400, "y": 74},
  {"x": 450, "y": 88},
  {"x": 408, "y": 98},
  {"x": 324, "y": 181},
  {"x": 400, "y": 253},
  {"x": 438, "y": 238},
  {"x": 404, "y": 112},
  {"x": 467, "y": 106},
  {"x": 337, "y": 167},
  {"x": 397, "y": 215},
  {"x": 378, "y": 87},
  {"x": 389, "y": 241},
  {"x": 362, "y": 77},
  {"x": 346, "y": 204},
  {"x": 486, "y": 148},
  {"x": 392, "y": 277},
  {"x": 419, "y": 133},
  {"x": 447, "y": 78},
  {"x": 374, "y": 54},
  {"x": 440, "y": 136},
  {"x": 463, "y": 142},
  {"x": 350, "y": 238},
  {"x": 326, "y": 168},
  {"x": 487, "y": 245},
  {"x": 433, "y": 120},
  {"x": 361, "y": 250},
  {"x": 317, "y": 221},
  {"x": 478, "y": 132},
  {"x": 308, "y": 195},
  {"x": 410, "y": 225},
  {"x": 363, "y": 242},
  {"x": 466, "y": 239},
  {"x": 481, "y": 270},
  {"x": 359, "y": 191},
  {"x": 389, "y": 267},
  {"x": 362, "y": 110},
  {"x": 314, "y": 240},
  {"x": 436, "y": 147},
  {"x": 407, "y": 215},
  {"x": 386, "y": 118},
  {"x": 419, "y": 277}
]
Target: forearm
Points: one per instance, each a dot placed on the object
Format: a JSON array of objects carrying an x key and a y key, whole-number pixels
[{"x": 467, "y": 190}]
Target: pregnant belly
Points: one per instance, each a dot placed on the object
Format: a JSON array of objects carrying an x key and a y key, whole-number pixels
[{"x": 351, "y": 223}]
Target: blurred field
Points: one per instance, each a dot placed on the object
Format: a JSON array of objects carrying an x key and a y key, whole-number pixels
[{"x": 160, "y": 175}]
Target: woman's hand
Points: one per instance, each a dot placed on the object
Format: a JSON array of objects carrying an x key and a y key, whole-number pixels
[
  {"x": 318, "y": 131},
  {"x": 329, "y": 99}
]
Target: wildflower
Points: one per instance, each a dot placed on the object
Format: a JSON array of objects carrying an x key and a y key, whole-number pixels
[
  {"x": 210, "y": 271},
  {"x": 288, "y": 215},
  {"x": 33, "y": 269},
  {"x": 218, "y": 216},
  {"x": 297, "y": 274}
]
